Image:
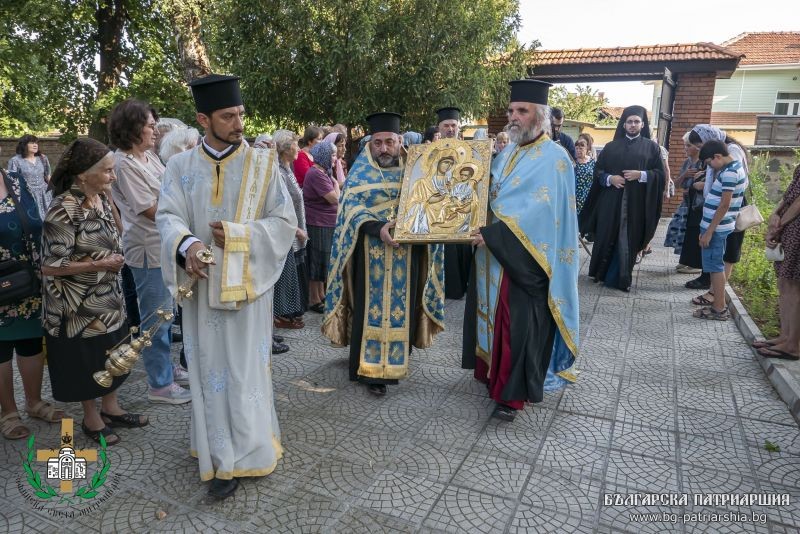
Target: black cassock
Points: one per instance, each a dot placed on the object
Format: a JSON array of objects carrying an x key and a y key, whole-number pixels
[
  {"x": 519, "y": 364},
  {"x": 457, "y": 264},
  {"x": 624, "y": 220}
]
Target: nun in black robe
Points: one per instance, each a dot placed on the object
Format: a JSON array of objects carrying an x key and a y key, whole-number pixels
[{"x": 623, "y": 220}]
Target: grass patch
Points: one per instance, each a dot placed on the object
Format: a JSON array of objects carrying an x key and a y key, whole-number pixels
[{"x": 754, "y": 277}]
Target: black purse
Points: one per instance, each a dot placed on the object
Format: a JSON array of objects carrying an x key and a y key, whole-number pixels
[{"x": 18, "y": 278}]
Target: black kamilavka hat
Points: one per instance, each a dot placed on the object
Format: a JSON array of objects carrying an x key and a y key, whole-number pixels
[
  {"x": 385, "y": 121},
  {"x": 450, "y": 113},
  {"x": 215, "y": 91},
  {"x": 529, "y": 90}
]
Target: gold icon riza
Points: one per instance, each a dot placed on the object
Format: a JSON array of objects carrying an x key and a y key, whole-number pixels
[{"x": 124, "y": 355}]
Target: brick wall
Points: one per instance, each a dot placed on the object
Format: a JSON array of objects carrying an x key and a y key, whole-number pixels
[
  {"x": 49, "y": 146},
  {"x": 694, "y": 95}
]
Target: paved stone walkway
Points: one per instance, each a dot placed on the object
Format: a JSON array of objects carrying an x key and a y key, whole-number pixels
[{"x": 664, "y": 403}]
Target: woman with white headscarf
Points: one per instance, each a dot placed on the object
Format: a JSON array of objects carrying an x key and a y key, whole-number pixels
[{"x": 699, "y": 135}]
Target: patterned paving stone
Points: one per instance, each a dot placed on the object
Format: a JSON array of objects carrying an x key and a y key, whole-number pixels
[
  {"x": 400, "y": 495},
  {"x": 644, "y": 441},
  {"x": 580, "y": 428},
  {"x": 510, "y": 441},
  {"x": 338, "y": 478},
  {"x": 528, "y": 519},
  {"x": 724, "y": 454},
  {"x": 463, "y": 510},
  {"x": 596, "y": 405},
  {"x": 488, "y": 474},
  {"x": 575, "y": 497},
  {"x": 433, "y": 460},
  {"x": 362, "y": 521},
  {"x": 298, "y": 511},
  {"x": 641, "y": 473},
  {"x": 135, "y": 511},
  {"x": 571, "y": 459},
  {"x": 368, "y": 445},
  {"x": 615, "y": 519},
  {"x": 24, "y": 521}
]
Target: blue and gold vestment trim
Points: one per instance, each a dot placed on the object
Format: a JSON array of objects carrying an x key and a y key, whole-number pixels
[
  {"x": 533, "y": 193},
  {"x": 372, "y": 193}
]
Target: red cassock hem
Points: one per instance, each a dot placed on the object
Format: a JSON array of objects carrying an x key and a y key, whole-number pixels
[{"x": 501, "y": 352}]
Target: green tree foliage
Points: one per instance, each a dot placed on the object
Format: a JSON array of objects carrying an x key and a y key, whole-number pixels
[
  {"x": 582, "y": 105},
  {"x": 65, "y": 63},
  {"x": 336, "y": 61}
]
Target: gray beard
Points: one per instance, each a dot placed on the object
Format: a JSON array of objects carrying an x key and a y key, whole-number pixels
[
  {"x": 387, "y": 160},
  {"x": 519, "y": 136}
]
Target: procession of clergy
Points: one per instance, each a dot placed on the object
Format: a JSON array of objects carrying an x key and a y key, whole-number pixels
[{"x": 383, "y": 297}]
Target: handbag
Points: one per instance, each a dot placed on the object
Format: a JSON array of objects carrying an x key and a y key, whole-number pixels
[
  {"x": 18, "y": 278},
  {"x": 748, "y": 216},
  {"x": 774, "y": 254}
]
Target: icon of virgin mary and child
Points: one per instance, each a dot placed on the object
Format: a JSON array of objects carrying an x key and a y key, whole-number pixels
[{"x": 445, "y": 198}]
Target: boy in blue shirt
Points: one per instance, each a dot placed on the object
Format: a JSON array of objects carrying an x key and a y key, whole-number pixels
[{"x": 720, "y": 210}]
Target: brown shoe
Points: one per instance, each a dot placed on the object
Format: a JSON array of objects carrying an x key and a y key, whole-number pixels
[{"x": 283, "y": 322}]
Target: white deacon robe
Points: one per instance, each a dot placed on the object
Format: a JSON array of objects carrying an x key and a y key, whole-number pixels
[{"x": 227, "y": 323}]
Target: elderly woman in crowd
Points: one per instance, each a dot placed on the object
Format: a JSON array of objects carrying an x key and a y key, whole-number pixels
[
  {"x": 132, "y": 130},
  {"x": 339, "y": 163},
  {"x": 691, "y": 208},
  {"x": 165, "y": 125},
  {"x": 784, "y": 230},
  {"x": 35, "y": 168},
  {"x": 177, "y": 141},
  {"x": 288, "y": 304},
  {"x": 311, "y": 136},
  {"x": 81, "y": 260},
  {"x": 584, "y": 168},
  {"x": 321, "y": 199},
  {"x": 501, "y": 141},
  {"x": 20, "y": 318}
]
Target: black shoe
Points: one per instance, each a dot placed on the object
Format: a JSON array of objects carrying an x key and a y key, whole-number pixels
[
  {"x": 177, "y": 337},
  {"x": 222, "y": 489},
  {"x": 277, "y": 339},
  {"x": 701, "y": 282},
  {"x": 279, "y": 348},
  {"x": 319, "y": 307},
  {"x": 504, "y": 413},
  {"x": 379, "y": 390}
]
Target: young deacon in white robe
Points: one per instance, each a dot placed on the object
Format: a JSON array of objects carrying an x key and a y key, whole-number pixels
[{"x": 234, "y": 199}]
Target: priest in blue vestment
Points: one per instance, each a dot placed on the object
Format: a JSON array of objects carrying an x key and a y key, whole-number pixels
[
  {"x": 383, "y": 297},
  {"x": 521, "y": 313}
]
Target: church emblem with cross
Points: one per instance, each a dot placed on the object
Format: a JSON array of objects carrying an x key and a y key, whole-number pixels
[{"x": 66, "y": 464}]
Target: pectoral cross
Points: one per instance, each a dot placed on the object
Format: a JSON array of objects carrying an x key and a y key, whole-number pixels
[{"x": 43, "y": 455}]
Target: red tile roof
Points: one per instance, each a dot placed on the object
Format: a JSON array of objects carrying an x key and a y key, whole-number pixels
[
  {"x": 766, "y": 48},
  {"x": 732, "y": 118},
  {"x": 675, "y": 52}
]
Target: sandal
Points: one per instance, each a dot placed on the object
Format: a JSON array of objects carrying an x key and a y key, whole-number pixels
[
  {"x": 94, "y": 435},
  {"x": 319, "y": 307},
  {"x": 127, "y": 420},
  {"x": 12, "y": 427},
  {"x": 46, "y": 412},
  {"x": 702, "y": 300},
  {"x": 767, "y": 352},
  {"x": 710, "y": 313}
]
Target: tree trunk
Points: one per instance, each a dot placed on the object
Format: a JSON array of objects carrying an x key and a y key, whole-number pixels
[
  {"x": 185, "y": 18},
  {"x": 110, "y": 18}
]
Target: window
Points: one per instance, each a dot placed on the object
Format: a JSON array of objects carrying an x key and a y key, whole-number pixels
[{"x": 787, "y": 104}]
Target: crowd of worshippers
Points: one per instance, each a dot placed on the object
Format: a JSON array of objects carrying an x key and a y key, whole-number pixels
[{"x": 286, "y": 224}]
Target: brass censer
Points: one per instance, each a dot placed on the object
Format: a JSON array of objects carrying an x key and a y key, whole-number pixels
[{"x": 124, "y": 355}]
